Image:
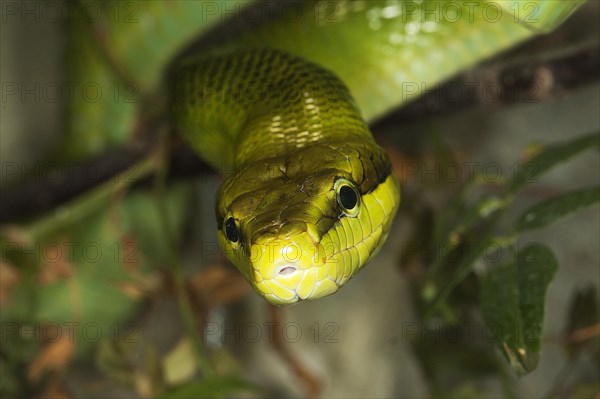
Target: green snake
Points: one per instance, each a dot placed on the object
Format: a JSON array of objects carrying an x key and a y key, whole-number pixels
[{"x": 309, "y": 196}]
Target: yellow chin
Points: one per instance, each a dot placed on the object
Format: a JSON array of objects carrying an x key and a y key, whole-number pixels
[{"x": 285, "y": 271}]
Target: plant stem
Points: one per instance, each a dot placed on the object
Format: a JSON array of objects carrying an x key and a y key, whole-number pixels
[
  {"x": 90, "y": 202},
  {"x": 183, "y": 300},
  {"x": 505, "y": 379}
]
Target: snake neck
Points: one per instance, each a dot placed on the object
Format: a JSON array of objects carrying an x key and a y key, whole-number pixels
[{"x": 260, "y": 104}]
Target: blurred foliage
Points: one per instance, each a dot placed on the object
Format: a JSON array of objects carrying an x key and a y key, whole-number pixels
[
  {"x": 118, "y": 84},
  {"x": 508, "y": 289}
]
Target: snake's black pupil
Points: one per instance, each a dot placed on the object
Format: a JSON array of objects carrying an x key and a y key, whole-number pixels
[
  {"x": 348, "y": 197},
  {"x": 231, "y": 230}
]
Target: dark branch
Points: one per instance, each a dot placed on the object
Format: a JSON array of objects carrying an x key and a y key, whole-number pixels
[
  {"x": 516, "y": 82},
  {"x": 496, "y": 84},
  {"x": 50, "y": 188}
]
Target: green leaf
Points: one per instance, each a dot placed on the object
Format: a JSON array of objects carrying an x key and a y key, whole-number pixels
[
  {"x": 484, "y": 208},
  {"x": 513, "y": 300},
  {"x": 463, "y": 268},
  {"x": 553, "y": 209},
  {"x": 550, "y": 157},
  {"x": 101, "y": 109},
  {"x": 220, "y": 387}
]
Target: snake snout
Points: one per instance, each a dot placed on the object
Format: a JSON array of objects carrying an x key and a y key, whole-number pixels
[
  {"x": 289, "y": 269},
  {"x": 280, "y": 258}
]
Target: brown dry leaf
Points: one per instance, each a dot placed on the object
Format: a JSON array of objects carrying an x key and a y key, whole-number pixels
[
  {"x": 9, "y": 278},
  {"x": 132, "y": 290},
  {"x": 230, "y": 292},
  {"x": 208, "y": 277},
  {"x": 130, "y": 258},
  {"x": 217, "y": 285},
  {"x": 143, "y": 385},
  {"x": 53, "y": 356},
  {"x": 142, "y": 287},
  {"x": 585, "y": 333},
  {"x": 56, "y": 265}
]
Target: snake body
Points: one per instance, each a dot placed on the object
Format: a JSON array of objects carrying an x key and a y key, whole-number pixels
[
  {"x": 309, "y": 197},
  {"x": 312, "y": 195}
]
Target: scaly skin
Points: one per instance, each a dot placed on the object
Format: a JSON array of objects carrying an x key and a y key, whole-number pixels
[{"x": 294, "y": 138}]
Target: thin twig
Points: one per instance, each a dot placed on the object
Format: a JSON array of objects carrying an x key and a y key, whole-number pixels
[
  {"x": 312, "y": 383},
  {"x": 85, "y": 204},
  {"x": 183, "y": 299},
  {"x": 579, "y": 335}
]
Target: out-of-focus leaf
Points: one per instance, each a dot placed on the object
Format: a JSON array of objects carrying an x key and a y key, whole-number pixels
[
  {"x": 55, "y": 356},
  {"x": 513, "y": 300},
  {"x": 133, "y": 364},
  {"x": 451, "y": 354},
  {"x": 482, "y": 209},
  {"x": 91, "y": 275},
  {"x": 180, "y": 364},
  {"x": 550, "y": 157},
  {"x": 468, "y": 390},
  {"x": 11, "y": 382},
  {"x": 221, "y": 387},
  {"x": 117, "y": 52},
  {"x": 463, "y": 267},
  {"x": 556, "y": 208},
  {"x": 101, "y": 107}
]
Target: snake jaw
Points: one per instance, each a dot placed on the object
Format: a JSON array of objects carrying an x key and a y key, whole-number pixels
[{"x": 291, "y": 269}]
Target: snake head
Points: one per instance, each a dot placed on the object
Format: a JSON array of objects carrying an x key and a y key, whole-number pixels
[{"x": 299, "y": 228}]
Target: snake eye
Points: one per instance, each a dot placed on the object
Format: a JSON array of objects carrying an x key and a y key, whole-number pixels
[
  {"x": 347, "y": 197},
  {"x": 231, "y": 230}
]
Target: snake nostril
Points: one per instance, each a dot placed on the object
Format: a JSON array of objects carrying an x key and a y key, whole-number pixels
[{"x": 286, "y": 271}]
